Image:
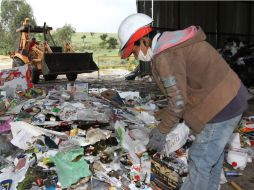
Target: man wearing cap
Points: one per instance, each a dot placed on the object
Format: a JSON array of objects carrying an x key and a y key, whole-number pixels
[{"x": 200, "y": 87}]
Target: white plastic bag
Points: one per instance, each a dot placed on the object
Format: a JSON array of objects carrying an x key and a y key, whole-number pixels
[
  {"x": 147, "y": 118},
  {"x": 126, "y": 142},
  {"x": 237, "y": 157},
  {"x": 223, "y": 178},
  {"x": 24, "y": 135},
  {"x": 139, "y": 135},
  {"x": 176, "y": 138},
  {"x": 234, "y": 141}
]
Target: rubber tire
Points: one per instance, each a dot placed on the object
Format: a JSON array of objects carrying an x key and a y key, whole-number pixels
[
  {"x": 35, "y": 76},
  {"x": 17, "y": 62},
  {"x": 50, "y": 77},
  {"x": 72, "y": 76}
]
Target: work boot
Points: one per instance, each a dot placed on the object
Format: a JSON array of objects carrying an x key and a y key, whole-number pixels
[{"x": 132, "y": 75}]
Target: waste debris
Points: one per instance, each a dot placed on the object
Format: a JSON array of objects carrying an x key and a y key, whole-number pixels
[{"x": 73, "y": 137}]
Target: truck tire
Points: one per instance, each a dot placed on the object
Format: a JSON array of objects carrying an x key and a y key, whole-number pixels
[
  {"x": 49, "y": 77},
  {"x": 17, "y": 62},
  {"x": 34, "y": 74},
  {"x": 72, "y": 76}
]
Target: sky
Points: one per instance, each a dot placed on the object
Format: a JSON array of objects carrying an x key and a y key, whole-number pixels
[{"x": 102, "y": 16}]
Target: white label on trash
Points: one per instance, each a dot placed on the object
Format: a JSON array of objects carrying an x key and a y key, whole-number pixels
[{"x": 176, "y": 138}]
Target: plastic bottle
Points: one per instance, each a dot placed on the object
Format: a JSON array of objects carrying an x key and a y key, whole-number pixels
[{"x": 145, "y": 168}]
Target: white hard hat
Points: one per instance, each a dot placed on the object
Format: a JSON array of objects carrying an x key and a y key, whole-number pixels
[{"x": 130, "y": 25}]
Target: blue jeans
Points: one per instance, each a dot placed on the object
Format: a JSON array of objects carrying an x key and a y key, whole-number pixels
[{"x": 206, "y": 155}]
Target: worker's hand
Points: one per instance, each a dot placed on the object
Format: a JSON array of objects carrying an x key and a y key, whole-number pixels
[{"x": 157, "y": 140}]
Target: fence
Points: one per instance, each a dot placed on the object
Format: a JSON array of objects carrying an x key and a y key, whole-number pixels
[{"x": 115, "y": 62}]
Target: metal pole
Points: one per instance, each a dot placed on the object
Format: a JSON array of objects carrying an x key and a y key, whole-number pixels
[
  {"x": 99, "y": 67},
  {"x": 152, "y": 9}
]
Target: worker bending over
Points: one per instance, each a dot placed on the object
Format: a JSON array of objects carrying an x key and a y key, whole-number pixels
[{"x": 200, "y": 87}]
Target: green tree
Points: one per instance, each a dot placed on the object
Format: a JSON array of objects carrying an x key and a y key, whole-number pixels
[
  {"x": 112, "y": 42},
  {"x": 92, "y": 34},
  {"x": 83, "y": 38},
  {"x": 103, "y": 37},
  {"x": 63, "y": 34},
  {"x": 103, "y": 44},
  {"x": 12, "y": 15}
]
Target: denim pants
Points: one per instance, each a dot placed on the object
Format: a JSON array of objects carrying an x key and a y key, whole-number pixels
[{"x": 206, "y": 155}]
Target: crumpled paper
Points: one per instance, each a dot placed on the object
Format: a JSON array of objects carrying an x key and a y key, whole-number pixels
[{"x": 95, "y": 135}]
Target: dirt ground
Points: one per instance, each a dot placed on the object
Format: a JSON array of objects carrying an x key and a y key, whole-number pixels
[{"x": 114, "y": 79}]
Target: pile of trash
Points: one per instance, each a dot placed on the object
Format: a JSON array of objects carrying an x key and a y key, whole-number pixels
[
  {"x": 240, "y": 57},
  {"x": 74, "y": 137}
]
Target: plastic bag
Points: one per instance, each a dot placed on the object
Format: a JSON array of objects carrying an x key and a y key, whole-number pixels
[
  {"x": 223, "y": 178},
  {"x": 126, "y": 142},
  {"x": 234, "y": 141},
  {"x": 237, "y": 157},
  {"x": 24, "y": 135},
  {"x": 92, "y": 115},
  {"x": 147, "y": 118},
  {"x": 70, "y": 170},
  {"x": 17, "y": 78},
  {"x": 141, "y": 139},
  {"x": 176, "y": 138},
  {"x": 139, "y": 134}
]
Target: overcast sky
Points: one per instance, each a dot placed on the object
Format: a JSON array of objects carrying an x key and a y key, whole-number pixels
[{"x": 83, "y": 15}]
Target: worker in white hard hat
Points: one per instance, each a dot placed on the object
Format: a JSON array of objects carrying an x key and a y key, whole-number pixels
[
  {"x": 201, "y": 89},
  {"x": 131, "y": 31}
]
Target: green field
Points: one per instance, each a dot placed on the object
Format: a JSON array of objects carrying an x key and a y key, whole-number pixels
[
  {"x": 91, "y": 44},
  {"x": 106, "y": 58}
]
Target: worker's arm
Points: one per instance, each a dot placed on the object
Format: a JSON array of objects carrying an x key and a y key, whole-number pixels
[{"x": 170, "y": 66}]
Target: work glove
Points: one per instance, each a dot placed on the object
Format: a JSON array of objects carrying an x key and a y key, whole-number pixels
[{"x": 157, "y": 140}]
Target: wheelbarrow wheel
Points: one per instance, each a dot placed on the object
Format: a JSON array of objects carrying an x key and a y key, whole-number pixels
[
  {"x": 72, "y": 76},
  {"x": 49, "y": 77},
  {"x": 34, "y": 74}
]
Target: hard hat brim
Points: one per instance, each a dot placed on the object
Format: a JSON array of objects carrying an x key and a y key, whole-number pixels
[{"x": 127, "y": 51}]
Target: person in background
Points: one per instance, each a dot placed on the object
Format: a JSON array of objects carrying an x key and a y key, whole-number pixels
[
  {"x": 200, "y": 87},
  {"x": 32, "y": 44}
]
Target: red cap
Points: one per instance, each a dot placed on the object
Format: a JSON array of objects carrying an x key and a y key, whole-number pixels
[
  {"x": 234, "y": 164},
  {"x": 127, "y": 50}
]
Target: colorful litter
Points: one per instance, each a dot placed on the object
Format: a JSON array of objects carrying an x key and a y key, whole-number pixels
[{"x": 73, "y": 137}]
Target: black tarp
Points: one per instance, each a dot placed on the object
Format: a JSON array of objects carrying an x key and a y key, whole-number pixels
[{"x": 219, "y": 19}]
